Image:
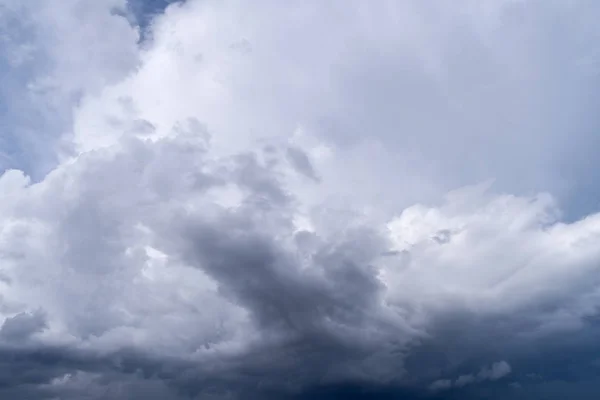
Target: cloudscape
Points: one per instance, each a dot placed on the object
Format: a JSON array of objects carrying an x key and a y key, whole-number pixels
[{"x": 227, "y": 199}]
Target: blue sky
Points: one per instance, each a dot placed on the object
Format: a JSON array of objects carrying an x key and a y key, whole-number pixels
[
  {"x": 257, "y": 200},
  {"x": 145, "y": 10}
]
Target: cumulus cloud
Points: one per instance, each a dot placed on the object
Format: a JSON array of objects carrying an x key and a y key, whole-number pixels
[
  {"x": 52, "y": 55},
  {"x": 298, "y": 200}
]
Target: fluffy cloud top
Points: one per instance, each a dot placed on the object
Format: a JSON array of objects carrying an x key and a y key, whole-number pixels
[{"x": 299, "y": 200}]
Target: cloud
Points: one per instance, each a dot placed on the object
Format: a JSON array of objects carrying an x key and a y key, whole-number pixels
[
  {"x": 22, "y": 325},
  {"x": 493, "y": 372},
  {"x": 464, "y": 380},
  {"x": 240, "y": 206},
  {"x": 54, "y": 54},
  {"x": 442, "y": 384},
  {"x": 497, "y": 370}
]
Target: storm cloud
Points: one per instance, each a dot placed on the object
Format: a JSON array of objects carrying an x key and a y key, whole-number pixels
[{"x": 293, "y": 200}]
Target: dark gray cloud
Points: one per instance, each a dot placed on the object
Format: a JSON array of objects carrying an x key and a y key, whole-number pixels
[
  {"x": 22, "y": 325},
  {"x": 317, "y": 314}
]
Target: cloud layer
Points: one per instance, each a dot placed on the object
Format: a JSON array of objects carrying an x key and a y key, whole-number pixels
[{"x": 300, "y": 200}]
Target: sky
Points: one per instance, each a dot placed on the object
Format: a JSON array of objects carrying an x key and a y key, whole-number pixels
[{"x": 224, "y": 199}]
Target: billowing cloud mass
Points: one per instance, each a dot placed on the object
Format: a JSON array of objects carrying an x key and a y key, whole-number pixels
[{"x": 303, "y": 199}]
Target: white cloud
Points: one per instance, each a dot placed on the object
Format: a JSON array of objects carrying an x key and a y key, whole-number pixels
[
  {"x": 55, "y": 53},
  {"x": 501, "y": 254}
]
